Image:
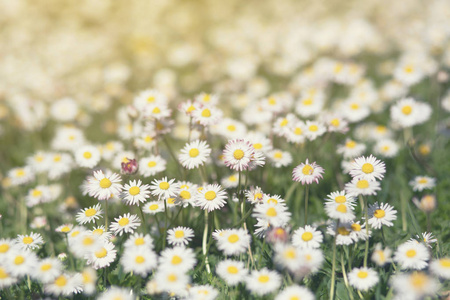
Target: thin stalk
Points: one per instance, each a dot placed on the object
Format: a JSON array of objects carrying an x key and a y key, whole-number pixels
[
  {"x": 166, "y": 216},
  {"x": 333, "y": 268},
  {"x": 306, "y": 203},
  {"x": 382, "y": 236},
  {"x": 403, "y": 208},
  {"x": 366, "y": 212},
  {"x": 205, "y": 242},
  {"x": 106, "y": 214},
  {"x": 143, "y": 219},
  {"x": 190, "y": 129},
  {"x": 349, "y": 289}
]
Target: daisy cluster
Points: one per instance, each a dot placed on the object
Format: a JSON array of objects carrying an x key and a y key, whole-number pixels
[{"x": 219, "y": 150}]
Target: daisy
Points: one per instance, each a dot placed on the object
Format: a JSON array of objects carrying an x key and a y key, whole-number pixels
[
  {"x": 337, "y": 198},
  {"x": 259, "y": 142},
  {"x": 279, "y": 158},
  {"x": 414, "y": 285},
  {"x": 75, "y": 232},
  {"x": 420, "y": 183},
  {"x": 67, "y": 138},
  {"x": 441, "y": 267},
  {"x": 65, "y": 228},
  {"x": 314, "y": 129},
  {"x": 262, "y": 282},
  {"x": 89, "y": 281},
  {"x": 164, "y": 188},
  {"x": 207, "y": 99},
  {"x": 343, "y": 233},
  {"x": 306, "y": 173},
  {"x": 138, "y": 240},
  {"x": 362, "y": 187},
  {"x": 90, "y": 214},
  {"x": 147, "y": 97},
  {"x": 207, "y": 115},
  {"x": 187, "y": 193},
  {"x": 61, "y": 164},
  {"x": 119, "y": 293},
  {"x": 100, "y": 232},
  {"x": 229, "y": 128},
  {"x": 153, "y": 207},
  {"x": 47, "y": 270},
  {"x": 30, "y": 241},
  {"x": 368, "y": 168},
  {"x": 39, "y": 194},
  {"x": 335, "y": 123},
  {"x": 234, "y": 241},
  {"x": 311, "y": 259},
  {"x": 307, "y": 237},
  {"x": 65, "y": 284},
  {"x": 238, "y": 154},
  {"x": 231, "y": 181},
  {"x": 39, "y": 162},
  {"x": 287, "y": 256},
  {"x": 139, "y": 260},
  {"x": 381, "y": 256},
  {"x": 309, "y": 105},
  {"x": 272, "y": 199},
  {"x": 340, "y": 212},
  {"x": 102, "y": 257},
  {"x": 276, "y": 215},
  {"x": 145, "y": 141},
  {"x": 295, "y": 133},
  {"x": 156, "y": 111},
  {"x": 87, "y": 156},
  {"x": 386, "y": 148},
  {"x": 231, "y": 271},
  {"x": 135, "y": 192},
  {"x": 358, "y": 232},
  {"x": 408, "y": 112},
  {"x": 21, "y": 175},
  {"x": 295, "y": 292},
  {"x": 102, "y": 186},
  {"x": 126, "y": 223},
  {"x": 180, "y": 235},
  {"x": 363, "y": 279},
  {"x": 20, "y": 262},
  {"x": 150, "y": 166},
  {"x": 426, "y": 204},
  {"x": 275, "y": 234},
  {"x": 411, "y": 255},
  {"x": 179, "y": 259},
  {"x": 85, "y": 244},
  {"x": 427, "y": 238},
  {"x": 254, "y": 194},
  {"x": 381, "y": 214},
  {"x": 281, "y": 125},
  {"x": 194, "y": 154},
  {"x": 351, "y": 148},
  {"x": 203, "y": 292},
  {"x": 354, "y": 110},
  {"x": 188, "y": 106},
  {"x": 6, "y": 279},
  {"x": 171, "y": 281},
  {"x": 211, "y": 197}
]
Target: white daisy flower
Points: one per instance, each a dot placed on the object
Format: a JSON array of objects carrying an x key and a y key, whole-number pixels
[
  {"x": 47, "y": 270},
  {"x": 164, "y": 188},
  {"x": 20, "y": 262},
  {"x": 61, "y": 164},
  {"x": 408, "y": 112},
  {"x": 309, "y": 105},
  {"x": 281, "y": 125},
  {"x": 180, "y": 235},
  {"x": 420, "y": 183},
  {"x": 207, "y": 99},
  {"x": 414, "y": 286},
  {"x": 39, "y": 162},
  {"x": 207, "y": 115},
  {"x": 272, "y": 199},
  {"x": 194, "y": 154},
  {"x": 381, "y": 256},
  {"x": 75, "y": 232},
  {"x": 358, "y": 232},
  {"x": 89, "y": 281},
  {"x": 343, "y": 233},
  {"x": 87, "y": 156},
  {"x": 153, "y": 207},
  {"x": 171, "y": 280},
  {"x": 115, "y": 292},
  {"x": 354, "y": 110},
  {"x": 368, "y": 168},
  {"x": 340, "y": 212},
  {"x": 90, "y": 214},
  {"x": 100, "y": 232},
  {"x": 65, "y": 228},
  {"x": 39, "y": 194},
  {"x": 335, "y": 123},
  {"x": 231, "y": 271},
  {"x": 21, "y": 175},
  {"x": 65, "y": 284},
  {"x": 238, "y": 154},
  {"x": 307, "y": 172},
  {"x": 202, "y": 292},
  {"x": 307, "y": 237},
  {"x": 126, "y": 223},
  {"x": 102, "y": 186},
  {"x": 426, "y": 238},
  {"x": 275, "y": 214},
  {"x": 150, "y": 166},
  {"x": 351, "y": 148},
  {"x": 279, "y": 158},
  {"x": 386, "y": 147},
  {"x": 411, "y": 255},
  {"x": 254, "y": 194},
  {"x": 102, "y": 257},
  {"x": 139, "y": 240},
  {"x": 139, "y": 260},
  {"x": 229, "y": 128},
  {"x": 145, "y": 141},
  {"x": 231, "y": 181},
  {"x": 262, "y": 282},
  {"x": 29, "y": 241},
  {"x": 288, "y": 256},
  {"x": 85, "y": 244},
  {"x": 234, "y": 241},
  {"x": 178, "y": 258},
  {"x": 363, "y": 279},
  {"x": 211, "y": 197},
  {"x": 295, "y": 132},
  {"x": 295, "y": 292},
  {"x": 441, "y": 267},
  {"x": 6, "y": 279},
  {"x": 362, "y": 187},
  {"x": 314, "y": 129},
  {"x": 135, "y": 192},
  {"x": 259, "y": 142},
  {"x": 337, "y": 198},
  {"x": 311, "y": 259},
  {"x": 381, "y": 214}
]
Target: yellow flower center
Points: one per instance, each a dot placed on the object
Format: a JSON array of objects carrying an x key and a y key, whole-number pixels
[
  {"x": 362, "y": 184},
  {"x": 408, "y": 69},
  {"x": 257, "y": 146},
  {"x": 343, "y": 231},
  {"x": 75, "y": 233},
  {"x": 102, "y": 253},
  {"x": 232, "y": 270},
  {"x": 407, "y": 110},
  {"x": 231, "y": 128},
  {"x": 411, "y": 253},
  {"x": 46, "y": 267},
  {"x": 153, "y": 207},
  {"x": 419, "y": 280},
  {"x": 124, "y": 221},
  {"x": 379, "y": 213},
  {"x": 210, "y": 195},
  {"x": 381, "y": 255},
  {"x": 172, "y": 278},
  {"x": 284, "y": 122},
  {"x": 190, "y": 109},
  {"x": 164, "y": 185},
  {"x": 194, "y": 152},
  {"x": 307, "y": 236},
  {"x": 179, "y": 234},
  {"x": 307, "y": 102},
  {"x": 238, "y": 154},
  {"x": 307, "y": 170},
  {"x": 148, "y": 139},
  {"x": 340, "y": 199},
  {"x": 290, "y": 254},
  {"x": 20, "y": 173},
  {"x": 176, "y": 260},
  {"x": 298, "y": 131},
  {"x": 367, "y": 168},
  {"x": 423, "y": 180},
  {"x": 258, "y": 196},
  {"x": 385, "y": 148},
  {"x": 362, "y": 274},
  {"x": 65, "y": 229},
  {"x": 86, "y": 277},
  {"x": 134, "y": 190},
  {"x": 445, "y": 262},
  {"x": 271, "y": 212},
  {"x": 356, "y": 227},
  {"x": 36, "y": 193},
  {"x": 90, "y": 212},
  {"x": 206, "y": 113},
  {"x": 57, "y": 158},
  {"x": 341, "y": 208},
  {"x": 139, "y": 241},
  {"x": 156, "y": 110},
  {"x": 61, "y": 281},
  {"x": 263, "y": 278},
  {"x": 87, "y": 154},
  {"x": 233, "y": 238},
  {"x": 232, "y": 178},
  {"x": 19, "y": 260},
  {"x": 272, "y": 101},
  {"x": 4, "y": 248},
  {"x": 151, "y": 164},
  {"x": 313, "y": 128},
  {"x": 3, "y": 274},
  {"x": 105, "y": 183},
  {"x": 88, "y": 241},
  {"x": 294, "y": 298},
  {"x": 27, "y": 240},
  {"x": 151, "y": 99},
  {"x": 272, "y": 200},
  {"x": 350, "y": 144},
  {"x": 98, "y": 231},
  {"x": 139, "y": 259},
  {"x": 335, "y": 122},
  {"x": 185, "y": 195},
  {"x": 354, "y": 106}
]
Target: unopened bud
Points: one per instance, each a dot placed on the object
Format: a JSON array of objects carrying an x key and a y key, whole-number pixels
[
  {"x": 442, "y": 76},
  {"x": 62, "y": 256},
  {"x": 130, "y": 167},
  {"x": 277, "y": 235}
]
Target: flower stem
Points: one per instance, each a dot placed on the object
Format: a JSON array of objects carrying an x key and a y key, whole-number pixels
[
  {"x": 366, "y": 213},
  {"x": 166, "y": 216},
  {"x": 204, "y": 243},
  {"x": 106, "y": 214},
  {"x": 350, "y": 292},
  {"x": 333, "y": 268},
  {"x": 306, "y": 203},
  {"x": 143, "y": 219}
]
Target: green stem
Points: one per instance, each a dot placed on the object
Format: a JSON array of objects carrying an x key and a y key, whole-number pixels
[
  {"x": 306, "y": 203},
  {"x": 204, "y": 243},
  {"x": 106, "y": 214},
  {"x": 333, "y": 268},
  {"x": 366, "y": 212},
  {"x": 166, "y": 216},
  {"x": 403, "y": 207},
  {"x": 143, "y": 219},
  {"x": 349, "y": 289}
]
